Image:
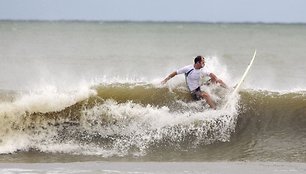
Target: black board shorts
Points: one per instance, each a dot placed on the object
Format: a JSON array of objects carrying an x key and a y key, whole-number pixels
[{"x": 196, "y": 94}]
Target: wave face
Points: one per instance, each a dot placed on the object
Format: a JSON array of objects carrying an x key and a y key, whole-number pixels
[
  {"x": 272, "y": 125},
  {"x": 148, "y": 122}
]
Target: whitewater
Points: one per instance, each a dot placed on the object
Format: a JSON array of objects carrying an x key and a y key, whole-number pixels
[{"x": 91, "y": 91}]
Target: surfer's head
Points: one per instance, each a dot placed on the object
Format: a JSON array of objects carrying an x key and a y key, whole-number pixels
[{"x": 199, "y": 62}]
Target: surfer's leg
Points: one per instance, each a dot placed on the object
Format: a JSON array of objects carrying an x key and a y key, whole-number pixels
[{"x": 208, "y": 100}]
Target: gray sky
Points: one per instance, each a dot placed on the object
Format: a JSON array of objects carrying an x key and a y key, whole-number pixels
[{"x": 287, "y": 11}]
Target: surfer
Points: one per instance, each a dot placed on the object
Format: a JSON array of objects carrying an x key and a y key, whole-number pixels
[{"x": 193, "y": 74}]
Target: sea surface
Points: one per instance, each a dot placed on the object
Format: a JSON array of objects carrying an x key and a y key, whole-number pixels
[{"x": 76, "y": 93}]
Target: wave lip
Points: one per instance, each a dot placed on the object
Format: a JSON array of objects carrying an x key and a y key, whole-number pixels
[{"x": 24, "y": 114}]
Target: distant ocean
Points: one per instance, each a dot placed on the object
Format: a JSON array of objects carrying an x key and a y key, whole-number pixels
[{"x": 79, "y": 93}]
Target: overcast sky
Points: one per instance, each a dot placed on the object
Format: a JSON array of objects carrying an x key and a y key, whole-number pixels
[{"x": 283, "y": 11}]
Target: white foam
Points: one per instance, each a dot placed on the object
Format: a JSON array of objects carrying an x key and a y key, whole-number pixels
[
  {"x": 143, "y": 125},
  {"x": 46, "y": 99},
  {"x": 14, "y": 141},
  {"x": 14, "y": 126},
  {"x": 134, "y": 124}
]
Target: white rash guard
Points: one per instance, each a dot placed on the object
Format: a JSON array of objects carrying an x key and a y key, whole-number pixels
[{"x": 194, "y": 76}]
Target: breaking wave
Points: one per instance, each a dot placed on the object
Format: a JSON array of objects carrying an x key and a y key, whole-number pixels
[{"x": 136, "y": 119}]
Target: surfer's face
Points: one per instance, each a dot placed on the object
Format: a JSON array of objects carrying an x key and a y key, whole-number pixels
[{"x": 202, "y": 62}]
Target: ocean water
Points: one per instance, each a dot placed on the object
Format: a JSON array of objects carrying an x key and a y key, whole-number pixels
[{"x": 90, "y": 91}]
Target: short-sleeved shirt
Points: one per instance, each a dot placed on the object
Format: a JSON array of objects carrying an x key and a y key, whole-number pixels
[{"x": 194, "y": 76}]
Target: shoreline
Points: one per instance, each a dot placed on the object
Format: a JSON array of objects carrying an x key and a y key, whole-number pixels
[{"x": 156, "y": 167}]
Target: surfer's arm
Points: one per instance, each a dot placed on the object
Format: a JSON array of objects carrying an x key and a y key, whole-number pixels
[
  {"x": 214, "y": 79},
  {"x": 169, "y": 77}
]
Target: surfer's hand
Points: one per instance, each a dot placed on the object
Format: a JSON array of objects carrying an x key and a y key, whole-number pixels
[
  {"x": 169, "y": 77},
  {"x": 235, "y": 86},
  {"x": 221, "y": 83},
  {"x": 164, "y": 82}
]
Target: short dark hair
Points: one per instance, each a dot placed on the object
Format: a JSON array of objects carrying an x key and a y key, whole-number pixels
[{"x": 197, "y": 59}]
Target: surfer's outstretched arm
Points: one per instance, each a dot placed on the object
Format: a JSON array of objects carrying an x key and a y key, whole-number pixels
[
  {"x": 214, "y": 79},
  {"x": 169, "y": 77}
]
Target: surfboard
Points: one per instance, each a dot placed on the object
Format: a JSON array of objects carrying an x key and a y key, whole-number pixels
[{"x": 237, "y": 87}]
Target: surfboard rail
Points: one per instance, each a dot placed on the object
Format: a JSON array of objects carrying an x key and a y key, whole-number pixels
[{"x": 237, "y": 87}]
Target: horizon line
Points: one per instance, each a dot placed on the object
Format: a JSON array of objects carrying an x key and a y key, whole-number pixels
[{"x": 147, "y": 21}]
